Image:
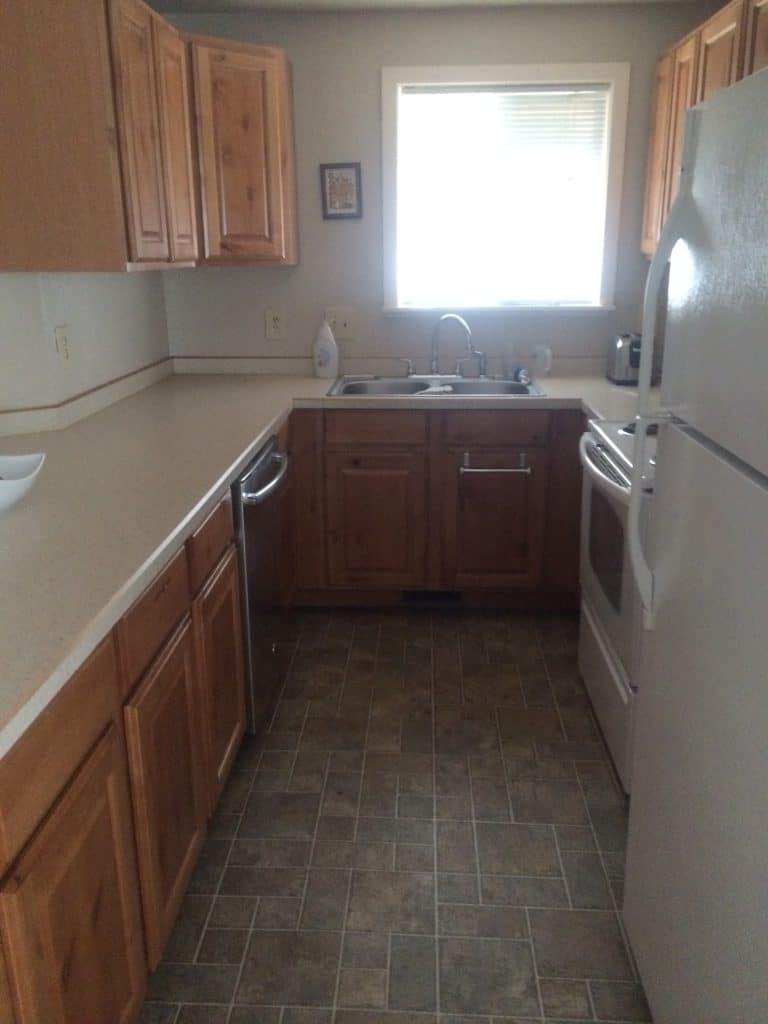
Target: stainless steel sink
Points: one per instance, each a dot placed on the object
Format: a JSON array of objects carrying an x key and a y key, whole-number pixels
[
  {"x": 442, "y": 386},
  {"x": 379, "y": 386}
]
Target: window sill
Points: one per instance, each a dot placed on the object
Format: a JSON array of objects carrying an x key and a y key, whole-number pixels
[{"x": 495, "y": 310}]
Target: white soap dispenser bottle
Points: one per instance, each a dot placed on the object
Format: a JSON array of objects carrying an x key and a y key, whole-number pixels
[{"x": 325, "y": 352}]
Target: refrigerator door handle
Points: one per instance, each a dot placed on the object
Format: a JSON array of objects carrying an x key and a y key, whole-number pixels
[{"x": 672, "y": 231}]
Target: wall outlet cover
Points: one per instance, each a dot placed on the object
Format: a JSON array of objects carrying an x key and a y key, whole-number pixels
[
  {"x": 342, "y": 321},
  {"x": 275, "y": 324}
]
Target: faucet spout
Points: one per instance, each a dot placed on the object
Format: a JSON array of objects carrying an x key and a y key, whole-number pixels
[{"x": 434, "y": 362}]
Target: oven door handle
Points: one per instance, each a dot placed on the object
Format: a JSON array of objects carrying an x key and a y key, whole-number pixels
[{"x": 601, "y": 480}]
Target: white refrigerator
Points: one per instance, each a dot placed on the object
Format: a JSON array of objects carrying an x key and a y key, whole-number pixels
[{"x": 696, "y": 903}]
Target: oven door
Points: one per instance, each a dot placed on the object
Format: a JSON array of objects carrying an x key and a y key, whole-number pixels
[{"x": 606, "y": 573}]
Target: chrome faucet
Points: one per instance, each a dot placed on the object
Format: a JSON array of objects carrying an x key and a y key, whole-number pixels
[{"x": 434, "y": 362}]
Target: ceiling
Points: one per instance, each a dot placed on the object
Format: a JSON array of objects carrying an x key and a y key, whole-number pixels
[{"x": 219, "y": 6}]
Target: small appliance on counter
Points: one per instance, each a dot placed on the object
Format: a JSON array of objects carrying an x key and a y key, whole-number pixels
[{"x": 623, "y": 362}]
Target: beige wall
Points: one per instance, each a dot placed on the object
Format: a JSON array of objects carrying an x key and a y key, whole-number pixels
[
  {"x": 336, "y": 71},
  {"x": 115, "y": 323}
]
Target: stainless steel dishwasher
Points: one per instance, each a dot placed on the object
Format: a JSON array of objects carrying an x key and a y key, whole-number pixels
[{"x": 260, "y": 508}]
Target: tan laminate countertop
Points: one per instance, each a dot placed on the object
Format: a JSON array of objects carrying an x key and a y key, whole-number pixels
[{"x": 121, "y": 490}]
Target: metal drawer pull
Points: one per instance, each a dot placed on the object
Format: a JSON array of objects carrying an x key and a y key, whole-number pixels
[{"x": 522, "y": 468}]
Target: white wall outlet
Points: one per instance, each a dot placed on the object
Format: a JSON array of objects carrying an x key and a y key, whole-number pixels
[
  {"x": 275, "y": 324},
  {"x": 61, "y": 343},
  {"x": 343, "y": 322}
]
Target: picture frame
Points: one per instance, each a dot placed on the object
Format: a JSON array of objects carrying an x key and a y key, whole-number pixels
[{"x": 341, "y": 191}]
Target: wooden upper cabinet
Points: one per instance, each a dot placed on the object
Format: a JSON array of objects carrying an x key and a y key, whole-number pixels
[
  {"x": 245, "y": 141},
  {"x": 720, "y": 50},
  {"x": 376, "y": 517},
  {"x": 172, "y": 63},
  {"x": 139, "y": 122},
  {"x": 493, "y": 518},
  {"x": 756, "y": 49},
  {"x": 219, "y": 638},
  {"x": 684, "y": 69},
  {"x": 61, "y": 205},
  {"x": 69, "y": 910},
  {"x": 165, "y": 754},
  {"x": 658, "y": 148}
]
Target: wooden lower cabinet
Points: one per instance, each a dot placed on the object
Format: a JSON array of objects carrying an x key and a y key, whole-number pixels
[
  {"x": 756, "y": 49},
  {"x": 376, "y": 518},
  {"x": 71, "y": 922},
  {"x": 218, "y": 634},
  {"x": 165, "y": 755},
  {"x": 493, "y": 517}
]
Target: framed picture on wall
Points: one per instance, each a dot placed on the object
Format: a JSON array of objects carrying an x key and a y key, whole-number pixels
[{"x": 341, "y": 190}]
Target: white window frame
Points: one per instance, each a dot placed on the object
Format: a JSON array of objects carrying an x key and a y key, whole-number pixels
[{"x": 614, "y": 75}]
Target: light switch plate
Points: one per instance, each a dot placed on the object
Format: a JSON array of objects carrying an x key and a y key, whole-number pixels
[
  {"x": 343, "y": 322},
  {"x": 275, "y": 324}
]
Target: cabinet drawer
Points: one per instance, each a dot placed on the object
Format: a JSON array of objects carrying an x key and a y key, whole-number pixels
[
  {"x": 38, "y": 767},
  {"x": 143, "y": 628},
  {"x": 394, "y": 429},
  {"x": 496, "y": 428},
  {"x": 207, "y": 543}
]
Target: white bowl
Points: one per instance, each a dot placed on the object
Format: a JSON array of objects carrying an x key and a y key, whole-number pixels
[{"x": 17, "y": 474}]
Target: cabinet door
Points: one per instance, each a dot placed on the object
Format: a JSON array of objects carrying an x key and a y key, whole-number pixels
[
  {"x": 70, "y": 911},
  {"x": 175, "y": 115},
  {"x": 720, "y": 53},
  {"x": 139, "y": 122},
  {"x": 563, "y": 510},
  {"x": 165, "y": 753},
  {"x": 375, "y": 507},
  {"x": 493, "y": 518},
  {"x": 756, "y": 50},
  {"x": 684, "y": 64},
  {"x": 245, "y": 138},
  {"x": 219, "y": 638},
  {"x": 658, "y": 149}
]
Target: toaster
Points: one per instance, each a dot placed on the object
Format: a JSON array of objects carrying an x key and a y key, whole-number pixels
[{"x": 623, "y": 363}]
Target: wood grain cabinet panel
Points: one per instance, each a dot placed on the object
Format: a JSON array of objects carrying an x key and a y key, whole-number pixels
[
  {"x": 219, "y": 638},
  {"x": 172, "y": 64},
  {"x": 139, "y": 121},
  {"x": 658, "y": 149},
  {"x": 493, "y": 518},
  {"x": 756, "y": 49},
  {"x": 38, "y": 767},
  {"x": 245, "y": 139},
  {"x": 720, "y": 50},
  {"x": 376, "y": 517},
  {"x": 208, "y": 542},
  {"x": 563, "y": 512},
  {"x": 71, "y": 923},
  {"x": 165, "y": 754},
  {"x": 7, "y": 1015},
  {"x": 684, "y": 70}
]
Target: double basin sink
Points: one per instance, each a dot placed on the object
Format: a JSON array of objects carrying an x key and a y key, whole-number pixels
[{"x": 438, "y": 386}]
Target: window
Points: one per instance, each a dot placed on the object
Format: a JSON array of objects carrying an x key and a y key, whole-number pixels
[{"x": 502, "y": 185}]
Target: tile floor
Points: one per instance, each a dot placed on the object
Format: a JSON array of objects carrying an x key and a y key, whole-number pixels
[{"x": 431, "y": 830}]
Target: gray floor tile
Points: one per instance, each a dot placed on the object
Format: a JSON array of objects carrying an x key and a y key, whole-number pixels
[
  {"x": 158, "y": 1013},
  {"x": 333, "y": 733},
  {"x": 297, "y": 968},
  {"x": 365, "y": 949},
  {"x": 514, "y": 891},
  {"x": 362, "y": 987},
  {"x": 325, "y": 902},
  {"x": 538, "y": 800},
  {"x": 409, "y": 857},
  {"x": 192, "y": 983},
  {"x": 391, "y": 901},
  {"x": 412, "y": 973},
  {"x": 222, "y": 946},
  {"x": 270, "y": 853},
  {"x": 516, "y": 849},
  {"x": 342, "y": 791},
  {"x": 579, "y": 944},
  {"x": 281, "y": 815},
  {"x": 303, "y": 1015},
  {"x": 255, "y": 1015},
  {"x": 482, "y": 922},
  {"x": 245, "y": 881},
  {"x": 457, "y": 888},
  {"x": 565, "y": 999},
  {"x": 203, "y": 1015},
  {"x": 586, "y": 880},
  {"x": 532, "y": 724},
  {"x": 490, "y": 799},
  {"x": 618, "y": 1001},
  {"x": 493, "y": 976},
  {"x": 456, "y": 846},
  {"x": 188, "y": 929},
  {"x": 274, "y": 913}
]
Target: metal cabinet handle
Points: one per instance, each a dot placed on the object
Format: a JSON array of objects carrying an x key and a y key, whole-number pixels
[
  {"x": 523, "y": 468},
  {"x": 256, "y": 497}
]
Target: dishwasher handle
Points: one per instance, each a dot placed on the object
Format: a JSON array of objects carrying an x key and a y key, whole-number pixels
[{"x": 257, "y": 497}]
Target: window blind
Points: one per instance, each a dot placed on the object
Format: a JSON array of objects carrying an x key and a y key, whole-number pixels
[{"x": 501, "y": 194}]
